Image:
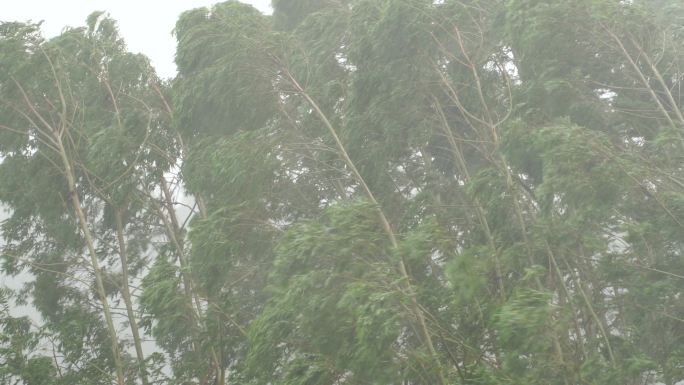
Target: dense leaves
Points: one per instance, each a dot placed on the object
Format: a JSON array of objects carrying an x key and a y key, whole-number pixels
[{"x": 349, "y": 192}]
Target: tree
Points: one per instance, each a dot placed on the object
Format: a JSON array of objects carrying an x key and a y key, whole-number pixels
[
  {"x": 380, "y": 192},
  {"x": 84, "y": 115}
]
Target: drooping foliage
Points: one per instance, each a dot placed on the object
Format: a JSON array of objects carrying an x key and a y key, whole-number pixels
[
  {"x": 350, "y": 192},
  {"x": 86, "y": 147}
]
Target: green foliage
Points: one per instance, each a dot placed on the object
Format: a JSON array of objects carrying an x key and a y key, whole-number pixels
[
  {"x": 377, "y": 192},
  {"x": 215, "y": 45},
  {"x": 333, "y": 303}
]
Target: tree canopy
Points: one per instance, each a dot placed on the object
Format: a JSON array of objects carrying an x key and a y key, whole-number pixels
[{"x": 349, "y": 192}]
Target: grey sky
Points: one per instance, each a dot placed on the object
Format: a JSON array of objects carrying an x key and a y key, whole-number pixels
[{"x": 145, "y": 25}]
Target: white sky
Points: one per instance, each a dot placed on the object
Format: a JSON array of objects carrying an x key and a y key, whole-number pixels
[{"x": 145, "y": 24}]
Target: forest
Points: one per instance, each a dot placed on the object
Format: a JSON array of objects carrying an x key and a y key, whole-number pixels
[{"x": 348, "y": 192}]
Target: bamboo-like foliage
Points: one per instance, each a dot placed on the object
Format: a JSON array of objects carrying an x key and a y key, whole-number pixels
[{"x": 380, "y": 192}]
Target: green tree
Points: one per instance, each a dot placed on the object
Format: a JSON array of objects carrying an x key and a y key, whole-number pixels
[
  {"x": 82, "y": 117},
  {"x": 380, "y": 192}
]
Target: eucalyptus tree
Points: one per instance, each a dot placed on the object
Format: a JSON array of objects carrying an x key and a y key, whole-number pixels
[
  {"x": 405, "y": 191},
  {"x": 301, "y": 110},
  {"x": 83, "y": 140},
  {"x": 499, "y": 155},
  {"x": 230, "y": 164},
  {"x": 608, "y": 159}
]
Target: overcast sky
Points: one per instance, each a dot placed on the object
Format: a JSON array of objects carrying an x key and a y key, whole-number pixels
[{"x": 145, "y": 24}]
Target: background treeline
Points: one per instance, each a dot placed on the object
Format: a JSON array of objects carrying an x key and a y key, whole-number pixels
[{"x": 349, "y": 192}]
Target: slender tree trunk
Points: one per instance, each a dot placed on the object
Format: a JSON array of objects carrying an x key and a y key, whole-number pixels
[
  {"x": 481, "y": 216},
  {"x": 126, "y": 294},
  {"x": 83, "y": 222},
  {"x": 640, "y": 74},
  {"x": 174, "y": 230},
  {"x": 491, "y": 128},
  {"x": 408, "y": 286}
]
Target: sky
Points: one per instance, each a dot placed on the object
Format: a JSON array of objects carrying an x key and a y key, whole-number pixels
[{"x": 146, "y": 25}]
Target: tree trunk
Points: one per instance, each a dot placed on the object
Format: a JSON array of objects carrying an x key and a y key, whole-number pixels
[
  {"x": 126, "y": 294},
  {"x": 83, "y": 222}
]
